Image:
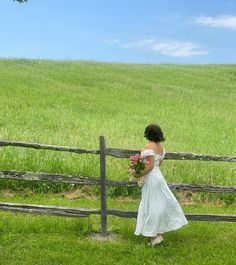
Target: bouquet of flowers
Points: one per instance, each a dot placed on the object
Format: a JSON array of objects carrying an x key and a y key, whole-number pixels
[{"x": 137, "y": 165}]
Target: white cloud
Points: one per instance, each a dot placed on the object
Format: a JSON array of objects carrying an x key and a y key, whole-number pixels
[
  {"x": 171, "y": 48},
  {"x": 112, "y": 41},
  {"x": 167, "y": 18},
  {"x": 227, "y": 22}
]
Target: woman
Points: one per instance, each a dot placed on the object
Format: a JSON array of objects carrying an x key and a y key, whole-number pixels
[{"x": 159, "y": 211}]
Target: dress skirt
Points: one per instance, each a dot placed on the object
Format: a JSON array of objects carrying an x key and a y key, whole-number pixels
[{"x": 159, "y": 211}]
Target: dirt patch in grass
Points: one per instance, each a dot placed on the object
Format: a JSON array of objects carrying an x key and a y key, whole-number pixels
[
  {"x": 8, "y": 193},
  {"x": 191, "y": 198},
  {"x": 83, "y": 192},
  {"x": 99, "y": 237}
]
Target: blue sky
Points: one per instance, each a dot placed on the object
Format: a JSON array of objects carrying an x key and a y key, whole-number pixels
[{"x": 129, "y": 31}]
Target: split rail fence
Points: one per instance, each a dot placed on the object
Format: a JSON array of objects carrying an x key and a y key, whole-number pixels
[{"x": 104, "y": 182}]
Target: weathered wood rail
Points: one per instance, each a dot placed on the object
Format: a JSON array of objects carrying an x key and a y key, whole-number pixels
[
  {"x": 103, "y": 182},
  {"x": 83, "y": 180},
  {"x": 83, "y": 212},
  {"x": 119, "y": 153}
]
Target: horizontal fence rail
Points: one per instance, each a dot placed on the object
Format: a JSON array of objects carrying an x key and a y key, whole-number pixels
[
  {"x": 48, "y": 147},
  {"x": 123, "y": 153},
  {"x": 48, "y": 177},
  {"x": 119, "y": 153},
  {"x": 48, "y": 210},
  {"x": 83, "y": 212},
  {"x": 83, "y": 180}
]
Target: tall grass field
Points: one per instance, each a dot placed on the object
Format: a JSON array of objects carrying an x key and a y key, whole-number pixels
[{"x": 72, "y": 103}]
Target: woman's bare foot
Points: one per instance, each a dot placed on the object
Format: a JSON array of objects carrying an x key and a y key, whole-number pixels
[{"x": 156, "y": 240}]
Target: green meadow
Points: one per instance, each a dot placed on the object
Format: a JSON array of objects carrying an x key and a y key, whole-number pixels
[{"x": 72, "y": 103}]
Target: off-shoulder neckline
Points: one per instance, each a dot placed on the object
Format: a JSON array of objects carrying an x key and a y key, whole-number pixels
[{"x": 156, "y": 152}]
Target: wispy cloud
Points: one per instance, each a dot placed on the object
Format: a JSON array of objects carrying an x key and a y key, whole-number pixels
[
  {"x": 171, "y": 47},
  {"x": 227, "y": 22},
  {"x": 167, "y": 18},
  {"x": 112, "y": 41}
]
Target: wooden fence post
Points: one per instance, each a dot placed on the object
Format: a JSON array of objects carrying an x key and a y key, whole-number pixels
[{"x": 103, "y": 188}]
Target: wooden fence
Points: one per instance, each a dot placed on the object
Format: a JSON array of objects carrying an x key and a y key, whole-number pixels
[{"x": 104, "y": 182}]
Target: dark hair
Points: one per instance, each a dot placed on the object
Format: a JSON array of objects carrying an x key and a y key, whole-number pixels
[{"x": 154, "y": 133}]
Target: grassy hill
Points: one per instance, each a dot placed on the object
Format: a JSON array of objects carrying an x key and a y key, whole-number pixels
[{"x": 72, "y": 103}]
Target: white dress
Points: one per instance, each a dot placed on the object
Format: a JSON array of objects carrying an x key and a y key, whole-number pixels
[{"x": 159, "y": 211}]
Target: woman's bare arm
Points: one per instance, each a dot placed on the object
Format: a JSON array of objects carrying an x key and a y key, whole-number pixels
[{"x": 149, "y": 165}]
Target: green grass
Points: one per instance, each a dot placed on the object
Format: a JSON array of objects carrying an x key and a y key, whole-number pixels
[
  {"x": 72, "y": 103},
  {"x": 28, "y": 239}
]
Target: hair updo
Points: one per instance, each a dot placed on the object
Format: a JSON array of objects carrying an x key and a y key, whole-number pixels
[{"x": 154, "y": 133}]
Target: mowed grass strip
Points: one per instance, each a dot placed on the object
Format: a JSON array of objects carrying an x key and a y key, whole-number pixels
[{"x": 28, "y": 239}]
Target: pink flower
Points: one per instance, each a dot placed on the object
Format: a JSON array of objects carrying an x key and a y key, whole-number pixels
[{"x": 136, "y": 164}]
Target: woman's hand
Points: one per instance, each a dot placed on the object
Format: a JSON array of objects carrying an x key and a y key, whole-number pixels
[
  {"x": 138, "y": 175},
  {"x": 135, "y": 174}
]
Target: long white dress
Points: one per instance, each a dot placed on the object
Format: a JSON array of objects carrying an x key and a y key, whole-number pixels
[{"x": 159, "y": 211}]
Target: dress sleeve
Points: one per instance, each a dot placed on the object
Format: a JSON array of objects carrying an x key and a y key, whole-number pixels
[{"x": 147, "y": 152}]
